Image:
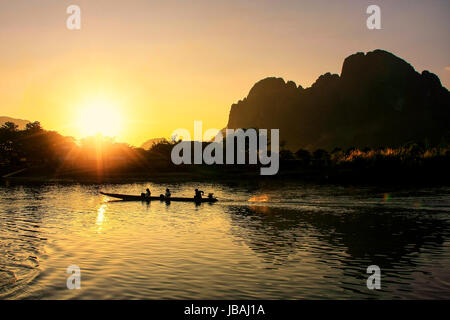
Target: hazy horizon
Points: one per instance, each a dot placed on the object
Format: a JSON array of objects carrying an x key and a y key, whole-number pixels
[{"x": 160, "y": 66}]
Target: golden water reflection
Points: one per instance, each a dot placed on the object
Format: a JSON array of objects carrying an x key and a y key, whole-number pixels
[
  {"x": 101, "y": 217},
  {"x": 308, "y": 242}
]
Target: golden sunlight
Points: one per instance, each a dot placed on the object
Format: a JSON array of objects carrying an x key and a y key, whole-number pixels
[
  {"x": 261, "y": 198},
  {"x": 99, "y": 117}
]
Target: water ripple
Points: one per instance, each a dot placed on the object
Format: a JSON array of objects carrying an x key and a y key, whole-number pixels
[{"x": 308, "y": 242}]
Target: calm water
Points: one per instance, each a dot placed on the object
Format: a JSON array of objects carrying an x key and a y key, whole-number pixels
[{"x": 316, "y": 242}]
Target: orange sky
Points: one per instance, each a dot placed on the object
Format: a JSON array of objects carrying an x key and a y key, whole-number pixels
[{"x": 160, "y": 65}]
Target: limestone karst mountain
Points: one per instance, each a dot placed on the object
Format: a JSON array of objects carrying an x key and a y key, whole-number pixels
[{"x": 377, "y": 100}]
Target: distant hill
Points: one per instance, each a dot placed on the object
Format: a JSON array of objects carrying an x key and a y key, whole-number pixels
[
  {"x": 149, "y": 143},
  {"x": 377, "y": 100},
  {"x": 21, "y": 123}
]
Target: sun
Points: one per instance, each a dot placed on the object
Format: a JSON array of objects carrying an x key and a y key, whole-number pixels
[{"x": 99, "y": 117}]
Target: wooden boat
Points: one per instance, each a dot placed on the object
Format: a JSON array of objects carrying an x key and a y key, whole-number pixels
[{"x": 126, "y": 197}]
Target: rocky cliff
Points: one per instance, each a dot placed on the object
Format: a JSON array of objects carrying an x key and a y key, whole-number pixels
[{"x": 377, "y": 100}]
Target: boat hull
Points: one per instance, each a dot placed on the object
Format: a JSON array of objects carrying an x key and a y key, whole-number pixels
[{"x": 126, "y": 197}]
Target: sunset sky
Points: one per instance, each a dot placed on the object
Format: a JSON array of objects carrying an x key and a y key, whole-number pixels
[{"x": 151, "y": 66}]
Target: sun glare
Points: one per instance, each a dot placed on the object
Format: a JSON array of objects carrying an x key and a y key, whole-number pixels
[{"x": 99, "y": 117}]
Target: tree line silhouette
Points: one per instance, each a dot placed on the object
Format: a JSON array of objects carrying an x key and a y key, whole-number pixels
[{"x": 48, "y": 153}]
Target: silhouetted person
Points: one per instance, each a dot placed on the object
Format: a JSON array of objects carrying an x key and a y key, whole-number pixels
[
  {"x": 168, "y": 194},
  {"x": 146, "y": 194},
  {"x": 198, "y": 194}
]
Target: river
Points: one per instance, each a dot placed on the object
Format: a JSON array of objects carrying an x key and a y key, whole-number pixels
[{"x": 260, "y": 241}]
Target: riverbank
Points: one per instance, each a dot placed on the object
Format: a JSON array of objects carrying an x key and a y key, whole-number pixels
[{"x": 211, "y": 174}]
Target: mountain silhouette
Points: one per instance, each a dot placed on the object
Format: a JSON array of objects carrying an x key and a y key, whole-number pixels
[
  {"x": 21, "y": 123},
  {"x": 378, "y": 100},
  {"x": 151, "y": 142}
]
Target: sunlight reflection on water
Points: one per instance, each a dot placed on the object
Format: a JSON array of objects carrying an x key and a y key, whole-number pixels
[{"x": 310, "y": 242}]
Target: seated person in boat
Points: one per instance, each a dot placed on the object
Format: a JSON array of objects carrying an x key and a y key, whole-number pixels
[
  {"x": 147, "y": 193},
  {"x": 168, "y": 194},
  {"x": 198, "y": 194}
]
